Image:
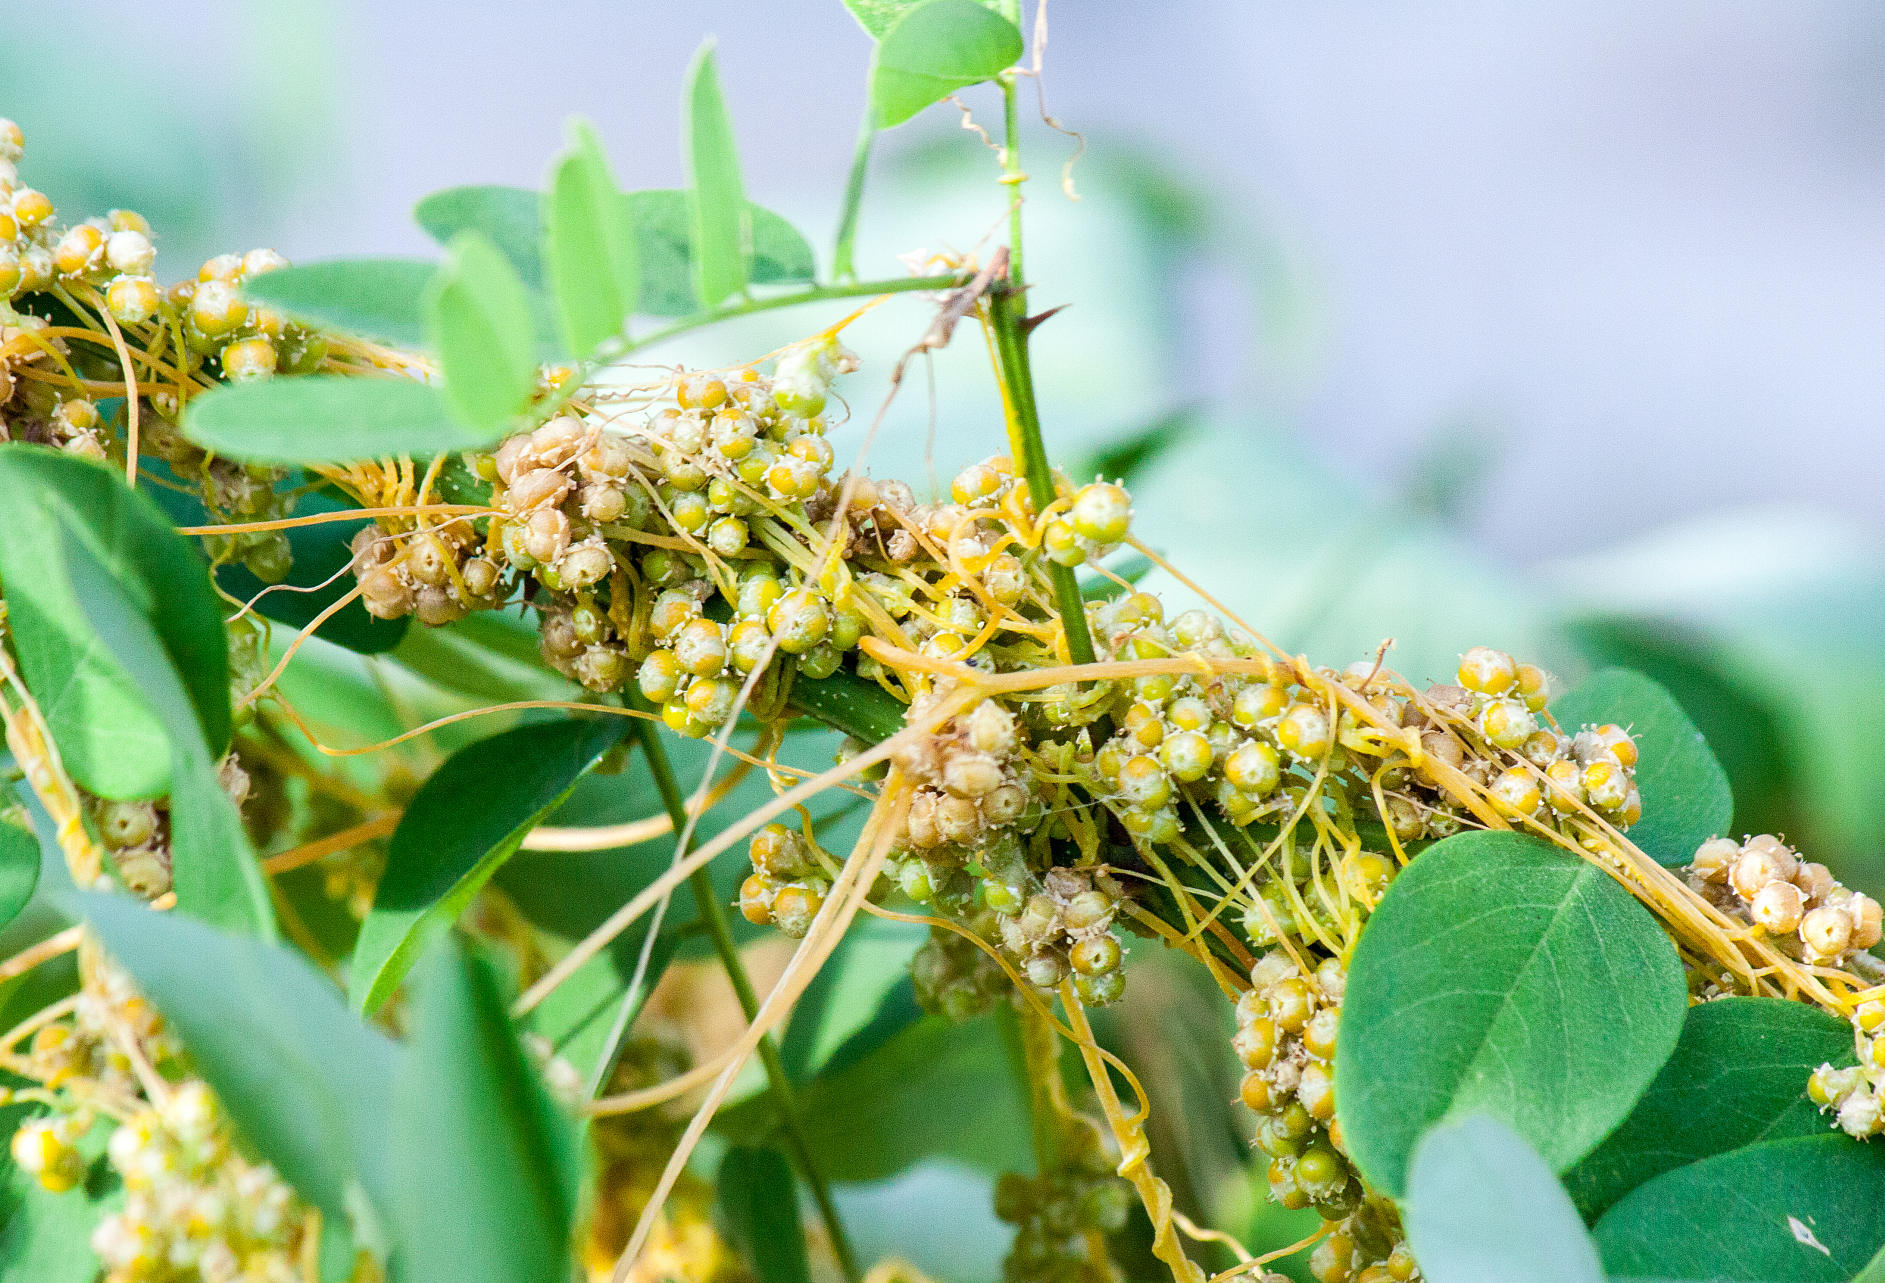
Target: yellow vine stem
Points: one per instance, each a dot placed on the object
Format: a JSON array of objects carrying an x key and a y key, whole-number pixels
[
  {"x": 1134, "y": 1148},
  {"x": 38, "y": 756}
]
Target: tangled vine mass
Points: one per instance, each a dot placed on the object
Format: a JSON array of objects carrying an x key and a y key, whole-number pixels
[{"x": 1050, "y": 793}]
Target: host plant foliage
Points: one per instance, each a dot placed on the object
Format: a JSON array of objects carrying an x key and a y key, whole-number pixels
[{"x": 1507, "y": 999}]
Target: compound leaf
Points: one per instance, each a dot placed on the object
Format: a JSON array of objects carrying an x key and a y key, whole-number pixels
[
  {"x": 110, "y": 739},
  {"x": 463, "y": 824},
  {"x": 378, "y": 298},
  {"x": 722, "y": 225},
  {"x": 935, "y": 49},
  {"x": 326, "y": 418},
  {"x": 1686, "y": 799},
  {"x": 1501, "y": 976},
  {"x": 1738, "y": 1076},
  {"x": 1482, "y": 1207},
  {"x": 478, "y": 321}
]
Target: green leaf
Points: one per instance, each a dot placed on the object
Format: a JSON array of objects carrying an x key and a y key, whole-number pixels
[
  {"x": 107, "y": 734},
  {"x": 664, "y": 231},
  {"x": 1501, "y": 976},
  {"x": 589, "y": 243},
  {"x": 466, "y": 820},
  {"x": 376, "y": 298},
  {"x": 1874, "y": 1271},
  {"x": 479, "y": 1147},
  {"x": 306, "y": 1082},
  {"x": 508, "y": 216},
  {"x": 878, "y": 16},
  {"x": 477, "y": 319},
  {"x": 326, "y": 418},
  {"x": 849, "y": 993},
  {"x": 935, "y": 49},
  {"x": 984, "y": 1125},
  {"x": 1482, "y": 1207},
  {"x": 760, "y": 1201},
  {"x": 19, "y": 870},
  {"x": 1738, "y": 1076},
  {"x": 1685, "y": 792},
  {"x": 723, "y": 232},
  {"x": 1807, "y": 1210},
  {"x": 213, "y": 868},
  {"x": 577, "y": 1017}
]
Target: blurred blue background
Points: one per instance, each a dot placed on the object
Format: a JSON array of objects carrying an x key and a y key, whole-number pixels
[{"x": 1556, "y": 328}]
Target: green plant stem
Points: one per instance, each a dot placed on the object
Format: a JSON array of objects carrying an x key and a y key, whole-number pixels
[
  {"x": 1006, "y": 312},
  {"x": 713, "y": 915},
  {"x": 819, "y": 293},
  {"x": 841, "y": 265},
  {"x": 1013, "y": 176}
]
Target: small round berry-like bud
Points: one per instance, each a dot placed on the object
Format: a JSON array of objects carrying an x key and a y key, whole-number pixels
[
  {"x": 795, "y": 907},
  {"x": 79, "y": 250},
  {"x": 1290, "y": 1005},
  {"x": 258, "y": 261},
  {"x": 1814, "y": 880},
  {"x": 700, "y": 646},
  {"x": 1005, "y": 803},
  {"x": 1534, "y": 687},
  {"x": 1255, "y": 1043},
  {"x": 1784, "y": 858},
  {"x": 248, "y": 360},
  {"x": 1754, "y": 870},
  {"x": 124, "y": 824},
  {"x": 12, "y": 141},
  {"x": 1062, "y": 544},
  {"x": 216, "y": 309},
  {"x": 1304, "y": 731},
  {"x": 799, "y": 620},
  {"x": 584, "y": 565},
  {"x": 223, "y": 267},
  {"x": 1316, "y": 1092},
  {"x": 1254, "y": 768},
  {"x": 546, "y": 535},
  {"x": 1618, "y": 741},
  {"x": 660, "y": 676},
  {"x": 31, "y": 208},
  {"x": 1826, "y": 931},
  {"x": 1088, "y": 910},
  {"x": 130, "y": 253},
  {"x": 1506, "y": 723},
  {"x": 1100, "y": 990},
  {"x": 1515, "y": 792},
  {"x": 756, "y": 894},
  {"x": 971, "y": 774},
  {"x": 1254, "y": 705},
  {"x": 131, "y": 300},
  {"x": 1187, "y": 755},
  {"x": 1866, "y": 920},
  {"x": 36, "y": 271},
  {"x": 711, "y": 700},
  {"x": 1143, "y": 783},
  {"x": 1606, "y": 786},
  {"x": 1714, "y": 858},
  {"x": 727, "y": 536},
  {"x": 1777, "y": 907},
  {"x": 1564, "y": 786},
  {"x": 1256, "y": 1093},
  {"x": 1318, "y": 1036},
  {"x": 1096, "y": 956},
  {"x": 1488, "y": 671},
  {"x": 1101, "y": 512},
  {"x": 700, "y": 392},
  {"x": 991, "y": 728},
  {"x": 480, "y": 576},
  {"x": 536, "y": 488}
]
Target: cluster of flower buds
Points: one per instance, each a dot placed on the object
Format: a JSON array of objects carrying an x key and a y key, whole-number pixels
[
  {"x": 1855, "y": 1094},
  {"x": 955, "y": 977},
  {"x": 432, "y": 573},
  {"x": 137, "y": 833},
  {"x": 1058, "y": 1216},
  {"x": 1804, "y": 910},
  {"x": 47, "y": 1148},
  {"x": 194, "y": 1208},
  {"x": 1366, "y": 1246},
  {"x": 788, "y": 885},
  {"x": 1286, "y": 1025}
]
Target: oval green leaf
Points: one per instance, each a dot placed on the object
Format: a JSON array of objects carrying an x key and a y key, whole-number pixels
[
  {"x": 307, "y": 1083},
  {"x": 326, "y": 418},
  {"x": 1482, "y": 1207},
  {"x": 19, "y": 869},
  {"x": 213, "y": 868},
  {"x": 107, "y": 734},
  {"x": 932, "y": 51},
  {"x": 461, "y": 826},
  {"x": 1501, "y": 976},
  {"x": 723, "y": 232},
  {"x": 589, "y": 244},
  {"x": 508, "y": 216},
  {"x": 878, "y": 16},
  {"x": 759, "y": 1199},
  {"x": 1737, "y": 1077},
  {"x": 477, "y": 319},
  {"x": 479, "y": 1147},
  {"x": 1807, "y": 1210},
  {"x": 1686, "y": 799},
  {"x": 376, "y": 298}
]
